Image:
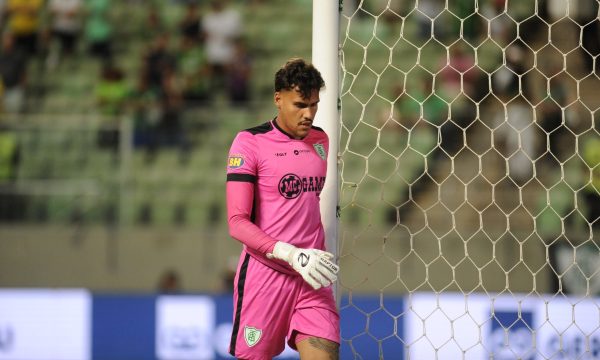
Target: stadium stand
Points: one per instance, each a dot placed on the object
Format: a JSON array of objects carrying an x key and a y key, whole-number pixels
[{"x": 68, "y": 179}]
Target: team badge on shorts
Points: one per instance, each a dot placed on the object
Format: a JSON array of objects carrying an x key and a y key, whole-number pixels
[
  {"x": 320, "y": 149},
  {"x": 252, "y": 335}
]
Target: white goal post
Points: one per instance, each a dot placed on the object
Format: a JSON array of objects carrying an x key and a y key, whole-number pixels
[{"x": 325, "y": 56}]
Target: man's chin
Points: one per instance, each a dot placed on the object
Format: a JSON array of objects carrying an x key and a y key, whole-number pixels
[{"x": 302, "y": 133}]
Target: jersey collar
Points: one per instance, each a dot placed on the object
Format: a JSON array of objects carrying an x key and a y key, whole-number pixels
[{"x": 274, "y": 122}]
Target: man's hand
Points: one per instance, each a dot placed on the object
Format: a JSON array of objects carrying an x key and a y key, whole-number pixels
[{"x": 314, "y": 265}]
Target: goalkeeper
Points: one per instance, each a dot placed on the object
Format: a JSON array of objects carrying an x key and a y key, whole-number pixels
[{"x": 275, "y": 174}]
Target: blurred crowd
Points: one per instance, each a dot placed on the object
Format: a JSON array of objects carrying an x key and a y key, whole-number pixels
[
  {"x": 181, "y": 67},
  {"x": 188, "y": 54},
  {"x": 532, "y": 102},
  {"x": 528, "y": 101}
]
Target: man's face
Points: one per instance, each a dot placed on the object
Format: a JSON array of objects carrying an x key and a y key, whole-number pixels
[{"x": 296, "y": 113}]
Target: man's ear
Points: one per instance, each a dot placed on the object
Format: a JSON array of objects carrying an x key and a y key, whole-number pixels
[{"x": 277, "y": 99}]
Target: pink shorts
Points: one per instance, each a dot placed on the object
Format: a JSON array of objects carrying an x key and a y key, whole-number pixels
[{"x": 270, "y": 306}]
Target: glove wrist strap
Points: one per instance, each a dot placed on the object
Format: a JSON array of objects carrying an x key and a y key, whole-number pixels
[{"x": 283, "y": 251}]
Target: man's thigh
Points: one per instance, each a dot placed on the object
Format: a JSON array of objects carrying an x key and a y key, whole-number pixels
[
  {"x": 263, "y": 306},
  {"x": 315, "y": 315},
  {"x": 315, "y": 348}
]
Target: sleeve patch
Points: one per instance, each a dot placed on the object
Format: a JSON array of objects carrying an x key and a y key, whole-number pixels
[{"x": 235, "y": 161}]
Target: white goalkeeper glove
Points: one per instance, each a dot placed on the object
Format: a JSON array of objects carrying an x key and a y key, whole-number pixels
[{"x": 315, "y": 266}]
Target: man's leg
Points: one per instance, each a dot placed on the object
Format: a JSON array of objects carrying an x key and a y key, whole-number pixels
[
  {"x": 314, "y": 348},
  {"x": 263, "y": 303},
  {"x": 315, "y": 325}
]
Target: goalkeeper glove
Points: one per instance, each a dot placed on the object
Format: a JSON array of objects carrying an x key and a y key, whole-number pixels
[{"x": 315, "y": 266}]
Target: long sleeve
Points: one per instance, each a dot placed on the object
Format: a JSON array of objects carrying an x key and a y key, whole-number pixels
[{"x": 240, "y": 199}]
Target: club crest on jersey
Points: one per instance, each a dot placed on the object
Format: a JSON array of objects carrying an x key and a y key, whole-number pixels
[
  {"x": 235, "y": 161},
  {"x": 320, "y": 149},
  {"x": 252, "y": 335},
  {"x": 292, "y": 185}
]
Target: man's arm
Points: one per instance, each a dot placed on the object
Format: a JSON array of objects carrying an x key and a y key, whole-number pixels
[
  {"x": 241, "y": 179},
  {"x": 240, "y": 199},
  {"x": 315, "y": 266}
]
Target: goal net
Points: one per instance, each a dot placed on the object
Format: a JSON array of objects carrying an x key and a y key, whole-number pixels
[{"x": 470, "y": 179}]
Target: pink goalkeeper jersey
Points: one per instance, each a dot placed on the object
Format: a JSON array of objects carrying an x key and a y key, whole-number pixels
[{"x": 285, "y": 177}]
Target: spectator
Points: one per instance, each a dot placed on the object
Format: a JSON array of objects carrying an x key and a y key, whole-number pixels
[
  {"x": 422, "y": 139},
  {"x": 589, "y": 18},
  {"x": 591, "y": 156},
  {"x": 2, "y": 13},
  {"x": 193, "y": 71},
  {"x": 159, "y": 77},
  {"x": 111, "y": 95},
  {"x": 98, "y": 29},
  {"x": 147, "y": 112},
  {"x": 169, "y": 283},
  {"x": 66, "y": 27},
  {"x": 221, "y": 26},
  {"x": 554, "y": 119},
  {"x": 431, "y": 9},
  {"x": 454, "y": 75},
  {"x": 586, "y": 25},
  {"x": 421, "y": 96},
  {"x": 170, "y": 128},
  {"x": 458, "y": 83},
  {"x": 158, "y": 68},
  {"x": 13, "y": 73},
  {"x": 500, "y": 26},
  {"x": 111, "y": 90},
  {"x": 154, "y": 24},
  {"x": 239, "y": 74},
  {"x": 506, "y": 81},
  {"x": 23, "y": 18},
  {"x": 12, "y": 206},
  {"x": 190, "y": 25},
  {"x": 515, "y": 130}
]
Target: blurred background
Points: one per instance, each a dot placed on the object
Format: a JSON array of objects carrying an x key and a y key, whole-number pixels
[
  {"x": 469, "y": 123},
  {"x": 469, "y": 151},
  {"x": 116, "y": 120}
]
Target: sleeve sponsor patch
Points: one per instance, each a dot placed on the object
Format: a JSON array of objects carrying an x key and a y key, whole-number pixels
[{"x": 235, "y": 161}]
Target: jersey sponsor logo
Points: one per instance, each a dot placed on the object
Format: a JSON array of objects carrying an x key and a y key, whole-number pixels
[
  {"x": 301, "y": 151},
  {"x": 320, "y": 149},
  {"x": 279, "y": 154},
  {"x": 235, "y": 161},
  {"x": 252, "y": 335},
  {"x": 292, "y": 185}
]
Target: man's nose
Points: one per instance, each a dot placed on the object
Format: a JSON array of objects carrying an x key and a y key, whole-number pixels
[{"x": 310, "y": 113}]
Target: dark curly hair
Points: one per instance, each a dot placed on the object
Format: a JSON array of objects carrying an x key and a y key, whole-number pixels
[{"x": 298, "y": 73}]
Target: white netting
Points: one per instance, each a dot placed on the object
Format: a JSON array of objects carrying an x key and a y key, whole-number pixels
[{"x": 470, "y": 152}]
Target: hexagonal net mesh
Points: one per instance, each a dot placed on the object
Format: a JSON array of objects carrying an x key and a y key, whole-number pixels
[{"x": 470, "y": 177}]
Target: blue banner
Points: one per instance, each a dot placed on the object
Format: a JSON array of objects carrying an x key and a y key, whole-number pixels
[
  {"x": 123, "y": 327},
  {"x": 43, "y": 324},
  {"x": 162, "y": 327}
]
